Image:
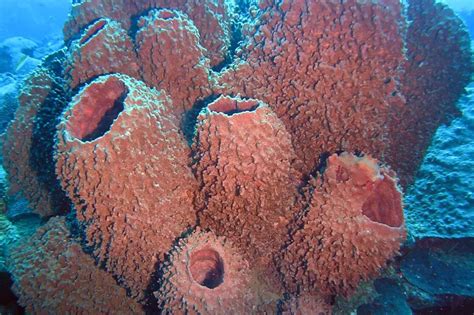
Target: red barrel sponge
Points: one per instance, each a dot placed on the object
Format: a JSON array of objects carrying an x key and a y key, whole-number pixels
[
  {"x": 352, "y": 226},
  {"x": 123, "y": 162},
  {"x": 207, "y": 275},
  {"x": 243, "y": 156}
]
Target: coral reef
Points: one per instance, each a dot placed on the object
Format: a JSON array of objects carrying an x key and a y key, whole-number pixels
[
  {"x": 390, "y": 299},
  {"x": 14, "y": 50},
  {"x": 3, "y": 188},
  {"x": 443, "y": 184},
  {"x": 289, "y": 189},
  {"x": 354, "y": 218},
  {"x": 19, "y": 57},
  {"x": 78, "y": 286},
  {"x": 8, "y": 101},
  {"x": 8, "y": 235},
  {"x": 306, "y": 304}
]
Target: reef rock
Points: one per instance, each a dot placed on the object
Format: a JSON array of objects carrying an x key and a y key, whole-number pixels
[
  {"x": 440, "y": 201},
  {"x": 14, "y": 50},
  {"x": 390, "y": 300},
  {"x": 441, "y": 267}
]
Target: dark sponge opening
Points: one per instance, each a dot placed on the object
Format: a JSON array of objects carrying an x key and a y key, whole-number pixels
[
  {"x": 99, "y": 105},
  {"x": 207, "y": 268}
]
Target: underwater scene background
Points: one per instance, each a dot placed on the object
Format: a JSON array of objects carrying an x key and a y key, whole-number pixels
[{"x": 236, "y": 157}]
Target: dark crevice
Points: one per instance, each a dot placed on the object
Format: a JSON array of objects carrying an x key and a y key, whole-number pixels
[
  {"x": 107, "y": 119},
  {"x": 8, "y": 300},
  {"x": 41, "y": 156},
  {"x": 235, "y": 38},
  {"x": 135, "y": 19},
  {"x": 188, "y": 122},
  {"x": 157, "y": 279},
  {"x": 78, "y": 231},
  {"x": 321, "y": 166}
]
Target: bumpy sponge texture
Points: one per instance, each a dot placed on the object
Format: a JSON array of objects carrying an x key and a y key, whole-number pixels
[{"x": 123, "y": 163}]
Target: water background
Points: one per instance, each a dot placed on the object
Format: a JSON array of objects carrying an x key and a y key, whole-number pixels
[{"x": 42, "y": 20}]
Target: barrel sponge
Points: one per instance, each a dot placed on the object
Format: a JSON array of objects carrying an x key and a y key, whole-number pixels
[
  {"x": 438, "y": 67},
  {"x": 28, "y": 141},
  {"x": 171, "y": 57},
  {"x": 124, "y": 164},
  {"x": 104, "y": 47},
  {"x": 242, "y": 156},
  {"x": 52, "y": 275},
  {"x": 207, "y": 275},
  {"x": 214, "y": 19},
  {"x": 330, "y": 70},
  {"x": 352, "y": 226}
]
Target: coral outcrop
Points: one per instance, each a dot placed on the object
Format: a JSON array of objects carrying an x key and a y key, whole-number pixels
[
  {"x": 352, "y": 226},
  {"x": 253, "y": 210},
  {"x": 443, "y": 184},
  {"x": 114, "y": 132},
  {"x": 441, "y": 266},
  {"x": 8, "y": 99},
  {"x": 52, "y": 274},
  {"x": 8, "y": 235},
  {"x": 206, "y": 275}
]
